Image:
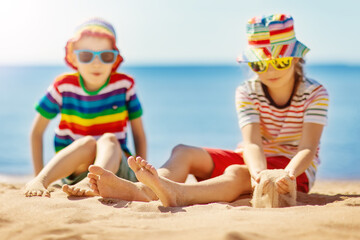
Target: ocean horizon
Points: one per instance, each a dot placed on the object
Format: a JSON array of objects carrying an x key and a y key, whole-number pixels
[{"x": 191, "y": 105}]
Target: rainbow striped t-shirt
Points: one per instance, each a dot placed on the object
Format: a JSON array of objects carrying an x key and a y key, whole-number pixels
[
  {"x": 85, "y": 113},
  {"x": 281, "y": 127}
]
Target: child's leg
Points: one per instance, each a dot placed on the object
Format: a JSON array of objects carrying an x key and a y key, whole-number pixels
[
  {"x": 74, "y": 158},
  {"x": 183, "y": 160},
  {"x": 224, "y": 188},
  {"x": 186, "y": 160},
  {"x": 108, "y": 156}
]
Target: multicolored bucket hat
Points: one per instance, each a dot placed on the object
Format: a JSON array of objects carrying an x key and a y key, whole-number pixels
[
  {"x": 272, "y": 37},
  {"x": 93, "y": 27}
]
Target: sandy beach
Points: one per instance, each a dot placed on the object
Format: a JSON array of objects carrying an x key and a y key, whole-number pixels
[{"x": 330, "y": 211}]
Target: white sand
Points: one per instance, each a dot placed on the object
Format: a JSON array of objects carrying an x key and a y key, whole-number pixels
[{"x": 330, "y": 211}]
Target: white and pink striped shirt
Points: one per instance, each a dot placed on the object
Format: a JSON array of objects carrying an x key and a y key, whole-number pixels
[{"x": 281, "y": 127}]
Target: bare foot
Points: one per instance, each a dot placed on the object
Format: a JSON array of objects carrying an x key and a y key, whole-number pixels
[
  {"x": 35, "y": 188},
  {"x": 108, "y": 185},
  {"x": 165, "y": 189},
  {"x": 80, "y": 189}
]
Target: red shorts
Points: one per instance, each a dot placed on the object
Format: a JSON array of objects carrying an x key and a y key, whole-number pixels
[{"x": 224, "y": 158}]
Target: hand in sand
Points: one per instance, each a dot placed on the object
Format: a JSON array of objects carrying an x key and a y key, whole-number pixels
[
  {"x": 282, "y": 184},
  {"x": 36, "y": 188},
  {"x": 255, "y": 179}
]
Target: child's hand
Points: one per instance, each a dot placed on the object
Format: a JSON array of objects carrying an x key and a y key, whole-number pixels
[
  {"x": 255, "y": 179},
  {"x": 282, "y": 185}
]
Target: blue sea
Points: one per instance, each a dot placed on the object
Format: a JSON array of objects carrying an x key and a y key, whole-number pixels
[{"x": 182, "y": 104}]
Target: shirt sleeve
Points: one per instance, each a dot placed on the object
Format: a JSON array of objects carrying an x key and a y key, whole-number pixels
[
  {"x": 245, "y": 107},
  {"x": 317, "y": 106},
  {"x": 133, "y": 104},
  {"x": 50, "y": 104}
]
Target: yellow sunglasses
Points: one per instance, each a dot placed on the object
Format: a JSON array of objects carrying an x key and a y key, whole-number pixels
[{"x": 277, "y": 63}]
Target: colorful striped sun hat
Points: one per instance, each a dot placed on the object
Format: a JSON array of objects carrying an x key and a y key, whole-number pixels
[
  {"x": 272, "y": 37},
  {"x": 93, "y": 27}
]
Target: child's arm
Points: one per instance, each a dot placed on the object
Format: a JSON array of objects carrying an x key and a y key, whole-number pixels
[
  {"x": 138, "y": 133},
  {"x": 254, "y": 156},
  {"x": 307, "y": 150},
  {"x": 36, "y": 138}
]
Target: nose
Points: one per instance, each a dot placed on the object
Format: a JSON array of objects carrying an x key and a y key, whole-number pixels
[
  {"x": 96, "y": 60},
  {"x": 271, "y": 68}
]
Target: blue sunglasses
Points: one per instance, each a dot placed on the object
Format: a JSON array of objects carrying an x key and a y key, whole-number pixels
[{"x": 87, "y": 56}]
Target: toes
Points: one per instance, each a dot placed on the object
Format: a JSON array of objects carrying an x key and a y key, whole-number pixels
[
  {"x": 95, "y": 189},
  {"x": 133, "y": 164},
  {"x": 96, "y": 170},
  {"x": 139, "y": 159},
  {"x": 143, "y": 163},
  {"x": 70, "y": 190},
  {"x": 93, "y": 186},
  {"x": 153, "y": 170},
  {"x": 65, "y": 189},
  {"x": 93, "y": 177},
  {"x": 131, "y": 158},
  {"x": 89, "y": 193},
  {"x": 75, "y": 191},
  {"x": 92, "y": 180},
  {"x": 81, "y": 192}
]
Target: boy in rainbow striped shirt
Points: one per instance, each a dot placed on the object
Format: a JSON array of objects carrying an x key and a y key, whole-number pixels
[
  {"x": 281, "y": 116},
  {"x": 96, "y": 103}
]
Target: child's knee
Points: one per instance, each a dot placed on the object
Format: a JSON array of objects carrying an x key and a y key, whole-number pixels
[
  {"x": 108, "y": 137},
  {"x": 183, "y": 150},
  {"x": 238, "y": 171},
  {"x": 179, "y": 148},
  {"x": 87, "y": 142}
]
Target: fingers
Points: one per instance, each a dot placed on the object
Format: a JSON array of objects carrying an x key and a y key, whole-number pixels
[
  {"x": 256, "y": 176},
  {"x": 253, "y": 183},
  {"x": 282, "y": 186},
  {"x": 291, "y": 174},
  {"x": 47, "y": 193},
  {"x": 37, "y": 193}
]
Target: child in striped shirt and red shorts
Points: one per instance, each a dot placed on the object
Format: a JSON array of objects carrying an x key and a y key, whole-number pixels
[
  {"x": 96, "y": 103},
  {"x": 281, "y": 116}
]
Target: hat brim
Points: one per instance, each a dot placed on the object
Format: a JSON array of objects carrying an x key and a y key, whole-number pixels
[{"x": 294, "y": 49}]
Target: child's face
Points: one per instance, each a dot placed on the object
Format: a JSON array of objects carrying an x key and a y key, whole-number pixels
[
  {"x": 277, "y": 79},
  {"x": 96, "y": 72}
]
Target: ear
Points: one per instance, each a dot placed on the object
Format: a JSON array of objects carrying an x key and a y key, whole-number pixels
[{"x": 74, "y": 59}]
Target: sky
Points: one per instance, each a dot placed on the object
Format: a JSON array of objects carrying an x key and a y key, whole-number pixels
[{"x": 174, "y": 32}]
